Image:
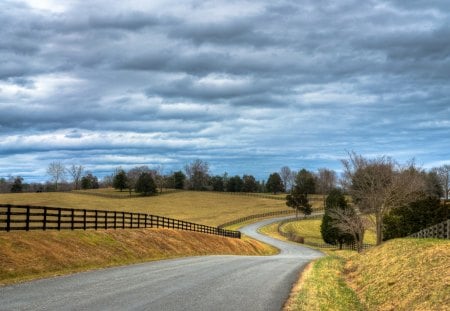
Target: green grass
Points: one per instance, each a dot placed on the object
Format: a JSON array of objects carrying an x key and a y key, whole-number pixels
[
  {"x": 323, "y": 288},
  {"x": 200, "y": 207}
]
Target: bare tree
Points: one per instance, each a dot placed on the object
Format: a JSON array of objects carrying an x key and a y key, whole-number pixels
[
  {"x": 325, "y": 180},
  {"x": 285, "y": 174},
  {"x": 443, "y": 173},
  {"x": 57, "y": 172},
  {"x": 197, "y": 173},
  {"x": 159, "y": 177},
  {"x": 76, "y": 172},
  {"x": 348, "y": 221},
  {"x": 379, "y": 185}
]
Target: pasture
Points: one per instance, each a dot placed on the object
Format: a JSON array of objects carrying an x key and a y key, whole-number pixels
[{"x": 209, "y": 208}]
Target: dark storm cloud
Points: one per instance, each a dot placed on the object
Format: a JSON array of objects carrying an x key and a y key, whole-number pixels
[{"x": 298, "y": 81}]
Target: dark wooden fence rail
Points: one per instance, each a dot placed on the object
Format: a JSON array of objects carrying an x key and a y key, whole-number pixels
[
  {"x": 256, "y": 216},
  {"x": 23, "y": 217},
  {"x": 439, "y": 231}
]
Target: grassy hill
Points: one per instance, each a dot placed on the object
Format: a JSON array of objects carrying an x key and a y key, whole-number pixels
[
  {"x": 401, "y": 274},
  {"x": 29, "y": 255},
  {"x": 209, "y": 208}
]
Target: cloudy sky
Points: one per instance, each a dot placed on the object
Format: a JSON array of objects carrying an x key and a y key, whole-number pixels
[{"x": 248, "y": 86}]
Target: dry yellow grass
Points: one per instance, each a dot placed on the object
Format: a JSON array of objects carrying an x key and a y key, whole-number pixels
[
  {"x": 29, "y": 255},
  {"x": 200, "y": 207},
  {"x": 403, "y": 274}
]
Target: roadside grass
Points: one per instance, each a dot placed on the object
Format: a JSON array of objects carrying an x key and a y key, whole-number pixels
[
  {"x": 322, "y": 287},
  {"x": 310, "y": 230},
  {"x": 402, "y": 274},
  {"x": 30, "y": 255},
  {"x": 209, "y": 208}
]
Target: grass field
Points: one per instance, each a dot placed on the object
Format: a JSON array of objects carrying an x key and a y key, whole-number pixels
[
  {"x": 310, "y": 230},
  {"x": 30, "y": 255},
  {"x": 207, "y": 208}
]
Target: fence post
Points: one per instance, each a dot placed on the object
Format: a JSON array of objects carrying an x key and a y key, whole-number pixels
[
  {"x": 448, "y": 229},
  {"x": 146, "y": 216},
  {"x": 96, "y": 219},
  {"x": 73, "y": 216},
  {"x": 44, "y": 222},
  {"x": 115, "y": 220},
  {"x": 27, "y": 226},
  {"x": 131, "y": 220},
  {"x": 8, "y": 218},
  {"x": 139, "y": 220},
  {"x": 84, "y": 219},
  {"x": 59, "y": 219},
  {"x": 106, "y": 220}
]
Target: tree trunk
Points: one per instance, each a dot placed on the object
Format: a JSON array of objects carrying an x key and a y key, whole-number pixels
[{"x": 379, "y": 228}]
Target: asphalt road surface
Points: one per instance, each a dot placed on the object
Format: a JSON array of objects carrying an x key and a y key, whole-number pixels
[{"x": 192, "y": 283}]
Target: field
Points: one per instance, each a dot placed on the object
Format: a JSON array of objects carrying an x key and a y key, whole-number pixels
[
  {"x": 209, "y": 208},
  {"x": 401, "y": 274},
  {"x": 310, "y": 230}
]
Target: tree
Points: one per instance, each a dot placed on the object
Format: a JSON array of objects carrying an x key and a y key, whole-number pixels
[
  {"x": 298, "y": 201},
  {"x": 379, "y": 185},
  {"x": 348, "y": 221},
  {"x": 145, "y": 184},
  {"x": 159, "y": 177},
  {"x": 249, "y": 184},
  {"x": 133, "y": 176},
  {"x": 325, "y": 180},
  {"x": 197, "y": 174},
  {"x": 120, "y": 180},
  {"x": 179, "y": 179},
  {"x": 234, "y": 184},
  {"x": 89, "y": 181},
  {"x": 274, "y": 183},
  {"x": 57, "y": 171},
  {"x": 443, "y": 173},
  {"x": 17, "y": 185},
  {"x": 405, "y": 220},
  {"x": 286, "y": 174},
  {"x": 217, "y": 183},
  {"x": 305, "y": 182},
  {"x": 330, "y": 233},
  {"x": 76, "y": 171}
]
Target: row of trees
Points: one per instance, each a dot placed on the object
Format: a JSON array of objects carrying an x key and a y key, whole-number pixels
[{"x": 397, "y": 200}]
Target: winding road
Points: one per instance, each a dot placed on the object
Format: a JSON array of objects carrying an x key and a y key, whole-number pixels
[{"x": 192, "y": 283}]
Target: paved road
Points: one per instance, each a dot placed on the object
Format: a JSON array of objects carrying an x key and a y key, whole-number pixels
[{"x": 193, "y": 283}]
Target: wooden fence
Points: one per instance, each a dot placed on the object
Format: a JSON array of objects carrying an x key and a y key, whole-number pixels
[
  {"x": 24, "y": 217},
  {"x": 439, "y": 231},
  {"x": 256, "y": 216}
]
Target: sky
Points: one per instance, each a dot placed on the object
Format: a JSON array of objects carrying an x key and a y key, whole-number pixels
[{"x": 247, "y": 86}]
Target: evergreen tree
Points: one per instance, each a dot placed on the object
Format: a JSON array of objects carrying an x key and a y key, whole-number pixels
[
  {"x": 250, "y": 184},
  {"x": 330, "y": 233},
  {"x": 120, "y": 180},
  {"x": 17, "y": 186},
  {"x": 145, "y": 184},
  {"x": 298, "y": 201},
  {"x": 274, "y": 183},
  {"x": 179, "y": 179},
  {"x": 305, "y": 181},
  {"x": 217, "y": 183},
  {"x": 234, "y": 184},
  {"x": 411, "y": 218}
]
